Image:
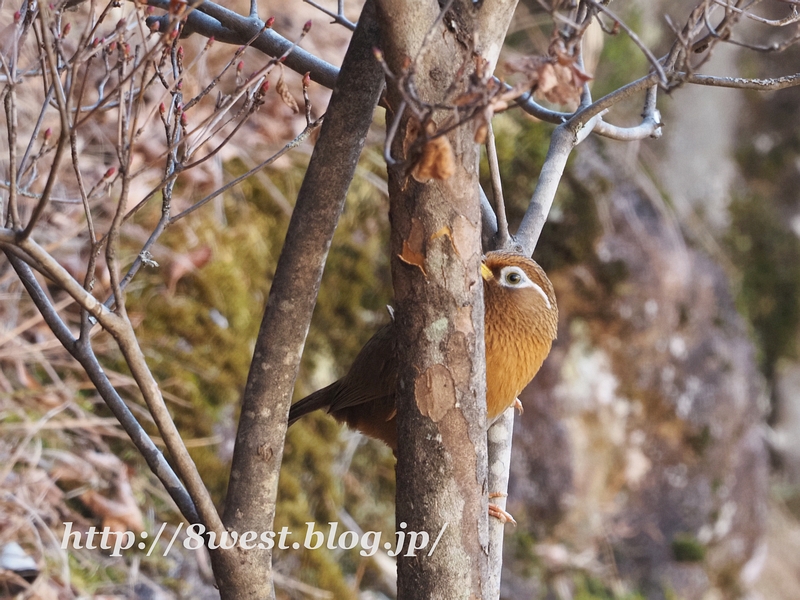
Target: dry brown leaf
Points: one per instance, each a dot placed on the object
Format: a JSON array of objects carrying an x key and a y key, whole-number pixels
[
  {"x": 117, "y": 515},
  {"x": 285, "y": 94},
  {"x": 468, "y": 98},
  {"x": 413, "y": 129},
  {"x": 437, "y": 161},
  {"x": 530, "y": 66},
  {"x": 557, "y": 78}
]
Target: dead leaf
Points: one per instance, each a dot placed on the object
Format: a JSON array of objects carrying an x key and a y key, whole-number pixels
[
  {"x": 286, "y": 96},
  {"x": 413, "y": 129},
  {"x": 468, "y": 98},
  {"x": 118, "y": 515},
  {"x": 437, "y": 161},
  {"x": 556, "y": 78}
]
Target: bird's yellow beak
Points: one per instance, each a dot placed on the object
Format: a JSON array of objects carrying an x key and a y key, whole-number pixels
[{"x": 486, "y": 272}]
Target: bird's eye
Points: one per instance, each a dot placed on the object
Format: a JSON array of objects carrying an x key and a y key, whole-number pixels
[{"x": 513, "y": 278}]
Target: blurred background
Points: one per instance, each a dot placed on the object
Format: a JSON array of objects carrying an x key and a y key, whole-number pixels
[{"x": 659, "y": 452}]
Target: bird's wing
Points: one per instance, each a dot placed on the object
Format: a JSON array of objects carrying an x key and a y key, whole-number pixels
[{"x": 373, "y": 374}]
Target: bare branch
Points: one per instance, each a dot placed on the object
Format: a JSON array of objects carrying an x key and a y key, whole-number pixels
[
  {"x": 488, "y": 221},
  {"x": 338, "y": 17},
  {"x": 123, "y": 333},
  {"x": 258, "y": 452},
  {"x": 499, "y": 450},
  {"x": 63, "y": 137},
  {"x": 502, "y": 238},
  {"x": 211, "y": 20},
  {"x": 83, "y": 353},
  {"x": 775, "y": 83},
  {"x": 564, "y": 139},
  {"x": 794, "y": 17}
]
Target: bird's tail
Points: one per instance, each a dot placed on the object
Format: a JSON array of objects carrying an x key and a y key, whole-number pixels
[{"x": 319, "y": 399}]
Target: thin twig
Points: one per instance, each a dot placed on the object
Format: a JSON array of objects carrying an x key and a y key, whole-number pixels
[
  {"x": 775, "y": 83},
  {"x": 84, "y": 354},
  {"x": 338, "y": 17},
  {"x": 503, "y": 238},
  {"x": 392, "y": 132},
  {"x": 294, "y": 143},
  {"x": 794, "y": 17},
  {"x": 63, "y": 137},
  {"x": 662, "y": 77}
]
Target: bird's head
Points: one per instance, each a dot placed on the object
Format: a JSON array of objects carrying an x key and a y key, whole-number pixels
[{"x": 518, "y": 290}]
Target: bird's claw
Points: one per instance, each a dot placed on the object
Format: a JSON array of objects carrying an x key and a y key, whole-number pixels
[{"x": 499, "y": 513}]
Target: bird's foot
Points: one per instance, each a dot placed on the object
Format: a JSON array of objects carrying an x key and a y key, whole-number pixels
[
  {"x": 500, "y": 513},
  {"x": 518, "y": 405}
]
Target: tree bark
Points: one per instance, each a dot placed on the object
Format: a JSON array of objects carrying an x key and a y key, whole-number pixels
[
  {"x": 259, "y": 446},
  {"x": 441, "y": 409}
]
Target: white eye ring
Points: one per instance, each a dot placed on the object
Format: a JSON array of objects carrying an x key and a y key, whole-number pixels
[{"x": 514, "y": 277}]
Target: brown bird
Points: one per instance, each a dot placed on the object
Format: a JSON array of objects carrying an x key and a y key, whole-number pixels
[{"x": 521, "y": 319}]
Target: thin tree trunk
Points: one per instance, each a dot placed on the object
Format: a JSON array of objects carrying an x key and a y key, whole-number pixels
[
  {"x": 436, "y": 226},
  {"x": 257, "y": 457}
]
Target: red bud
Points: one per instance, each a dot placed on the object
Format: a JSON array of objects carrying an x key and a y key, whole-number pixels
[
  {"x": 307, "y": 26},
  {"x": 48, "y": 133},
  {"x": 184, "y": 120},
  {"x": 270, "y": 21},
  {"x": 162, "y": 109},
  {"x": 306, "y": 79},
  {"x": 66, "y": 30},
  {"x": 110, "y": 173}
]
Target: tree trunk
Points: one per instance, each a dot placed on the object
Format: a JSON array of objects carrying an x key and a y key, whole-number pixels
[{"x": 257, "y": 458}]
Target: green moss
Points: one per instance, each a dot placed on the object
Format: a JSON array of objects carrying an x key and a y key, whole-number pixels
[
  {"x": 686, "y": 548},
  {"x": 767, "y": 254},
  {"x": 198, "y": 330},
  {"x": 590, "y": 588}
]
